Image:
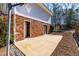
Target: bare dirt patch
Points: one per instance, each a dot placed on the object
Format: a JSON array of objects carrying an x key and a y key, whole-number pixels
[{"x": 67, "y": 46}]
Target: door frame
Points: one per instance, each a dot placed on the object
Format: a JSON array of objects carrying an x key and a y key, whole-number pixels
[
  {"x": 45, "y": 29},
  {"x": 28, "y": 20}
]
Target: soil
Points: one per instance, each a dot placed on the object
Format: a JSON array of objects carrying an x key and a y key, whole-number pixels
[{"x": 67, "y": 46}]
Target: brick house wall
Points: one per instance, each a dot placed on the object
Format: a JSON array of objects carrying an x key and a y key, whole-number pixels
[
  {"x": 19, "y": 28},
  {"x": 36, "y": 29}
]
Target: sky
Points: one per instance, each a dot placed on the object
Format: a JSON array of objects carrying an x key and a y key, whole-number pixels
[{"x": 49, "y": 5}]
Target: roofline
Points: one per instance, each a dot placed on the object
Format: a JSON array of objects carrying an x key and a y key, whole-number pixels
[
  {"x": 41, "y": 5},
  {"x": 37, "y": 19}
]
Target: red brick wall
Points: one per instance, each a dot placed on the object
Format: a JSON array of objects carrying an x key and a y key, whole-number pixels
[
  {"x": 36, "y": 29},
  {"x": 19, "y": 28}
]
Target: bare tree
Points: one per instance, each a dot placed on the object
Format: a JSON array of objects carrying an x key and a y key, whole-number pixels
[
  {"x": 70, "y": 13},
  {"x": 57, "y": 9}
]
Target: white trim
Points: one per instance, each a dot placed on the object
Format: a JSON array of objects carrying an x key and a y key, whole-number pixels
[
  {"x": 45, "y": 8},
  {"x": 14, "y": 25},
  {"x": 20, "y": 14},
  {"x": 24, "y": 29}
]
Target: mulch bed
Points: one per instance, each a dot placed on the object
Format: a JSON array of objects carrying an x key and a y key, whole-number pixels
[
  {"x": 76, "y": 38},
  {"x": 67, "y": 46}
]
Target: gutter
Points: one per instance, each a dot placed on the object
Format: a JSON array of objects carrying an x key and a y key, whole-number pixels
[{"x": 41, "y": 5}]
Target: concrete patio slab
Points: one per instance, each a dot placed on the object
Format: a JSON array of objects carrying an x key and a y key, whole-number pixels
[{"x": 39, "y": 46}]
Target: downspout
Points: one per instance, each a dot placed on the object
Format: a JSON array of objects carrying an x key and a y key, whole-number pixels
[{"x": 9, "y": 28}]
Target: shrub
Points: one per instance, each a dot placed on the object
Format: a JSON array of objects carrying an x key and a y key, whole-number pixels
[{"x": 3, "y": 33}]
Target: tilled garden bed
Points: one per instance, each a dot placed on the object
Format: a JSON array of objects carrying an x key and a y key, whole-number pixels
[{"x": 67, "y": 46}]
